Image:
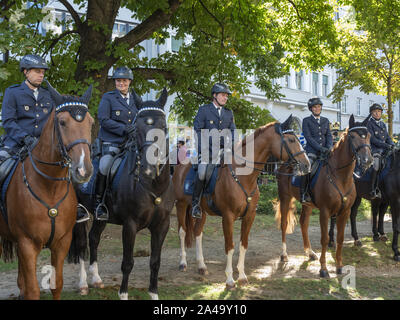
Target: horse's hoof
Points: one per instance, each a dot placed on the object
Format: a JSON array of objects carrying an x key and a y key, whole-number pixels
[
  {"x": 123, "y": 296},
  {"x": 357, "y": 243},
  {"x": 383, "y": 238},
  {"x": 284, "y": 258},
  {"x": 376, "y": 237},
  {"x": 98, "y": 285},
  {"x": 339, "y": 270},
  {"x": 396, "y": 258},
  {"x": 153, "y": 296},
  {"x": 324, "y": 274},
  {"x": 203, "y": 271},
  {"x": 230, "y": 286},
  {"x": 182, "y": 267},
  {"x": 84, "y": 291},
  {"x": 243, "y": 282},
  {"x": 331, "y": 244}
]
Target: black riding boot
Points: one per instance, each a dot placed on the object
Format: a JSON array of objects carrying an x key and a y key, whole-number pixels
[
  {"x": 375, "y": 192},
  {"x": 81, "y": 214},
  {"x": 196, "y": 198},
  {"x": 304, "y": 195},
  {"x": 101, "y": 211}
]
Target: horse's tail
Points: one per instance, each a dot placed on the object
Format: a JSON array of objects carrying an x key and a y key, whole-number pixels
[
  {"x": 288, "y": 216},
  {"x": 78, "y": 249},
  {"x": 189, "y": 221},
  {"x": 7, "y": 250}
]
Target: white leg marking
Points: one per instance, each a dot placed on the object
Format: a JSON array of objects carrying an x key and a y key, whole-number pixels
[
  {"x": 240, "y": 265},
  {"x": 182, "y": 235},
  {"x": 83, "y": 286},
  {"x": 154, "y": 296},
  {"x": 96, "y": 280},
  {"x": 123, "y": 296},
  {"x": 229, "y": 269},
  {"x": 284, "y": 249},
  {"x": 199, "y": 252}
]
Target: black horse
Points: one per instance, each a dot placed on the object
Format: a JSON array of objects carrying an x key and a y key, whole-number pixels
[
  {"x": 390, "y": 190},
  {"x": 142, "y": 199}
]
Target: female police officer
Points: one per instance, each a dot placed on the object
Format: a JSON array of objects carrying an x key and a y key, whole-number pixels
[{"x": 116, "y": 113}]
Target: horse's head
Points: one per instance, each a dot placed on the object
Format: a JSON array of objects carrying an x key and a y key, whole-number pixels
[
  {"x": 359, "y": 143},
  {"x": 73, "y": 125},
  {"x": 287, "y": 147},
  {"x": 151, "y": 134}
]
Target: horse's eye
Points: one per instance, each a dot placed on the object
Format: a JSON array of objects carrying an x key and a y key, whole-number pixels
[
  {"x": 62, "y": 123},
  {"x": 149, "y": 121}
]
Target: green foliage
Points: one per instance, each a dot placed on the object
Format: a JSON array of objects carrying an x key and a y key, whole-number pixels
[{"x": 268, "y": 197}]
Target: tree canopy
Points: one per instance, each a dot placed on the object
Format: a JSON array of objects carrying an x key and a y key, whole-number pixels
[
  {"x": 369, "y": 54},
  {"x": 233, "y": 41}
]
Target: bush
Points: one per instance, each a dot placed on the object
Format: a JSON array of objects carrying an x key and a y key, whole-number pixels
[{"x": 268, "y": 197}]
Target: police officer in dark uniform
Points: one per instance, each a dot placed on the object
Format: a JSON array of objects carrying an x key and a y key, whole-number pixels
[
  {"x": 380, "y": 143},
  {"x": 26, "y": 107},
  {"x": 211, "y": 116},
  {"x": 117, "y": 111},
  {"x": 319, "y": 140}
]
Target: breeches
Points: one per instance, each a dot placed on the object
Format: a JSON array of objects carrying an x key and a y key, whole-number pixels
[
  {"x": 106, "y": 159},
  {"x": 377, "y": 161}
]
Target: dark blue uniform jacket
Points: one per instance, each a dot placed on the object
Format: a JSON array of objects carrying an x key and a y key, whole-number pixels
[{"x": 317, "y": 135}]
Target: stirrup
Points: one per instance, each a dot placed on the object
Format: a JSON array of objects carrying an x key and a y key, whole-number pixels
[
  {"x": 104, "y": 216},
  {"x": 85, "y": 216},
  {"x": 196, "y": 211}
]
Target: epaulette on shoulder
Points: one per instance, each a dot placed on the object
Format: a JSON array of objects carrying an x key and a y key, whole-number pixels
[{"x": 14, "y": 86}]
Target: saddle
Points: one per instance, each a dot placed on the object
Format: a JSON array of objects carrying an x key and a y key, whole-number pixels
[
  {"x": 313, "y": 175},
  {"x": 7, "y": 169}
]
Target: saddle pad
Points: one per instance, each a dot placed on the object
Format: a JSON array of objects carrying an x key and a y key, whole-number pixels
[
  {"x": 296, "y": 180},
  {"x": 190, "y": 178},
  {"x": 118, "y": 175},
  {"x": 4, "y": 188},
  {"x": 366, "y": 177}
]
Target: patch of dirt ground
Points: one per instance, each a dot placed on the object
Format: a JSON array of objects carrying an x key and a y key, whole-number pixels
[{"x": 262, "y": 260}]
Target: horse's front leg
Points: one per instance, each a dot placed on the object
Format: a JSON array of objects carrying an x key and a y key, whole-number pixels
[
  {"x": 324, "y": 221},
  {"x": 304, "y": 222},
  {"x": 27, "y": 257},
  {"x": 158, "y": 234},
  {"x": 341, "y": 224},
  {"x": 375, "y": 212},
  {"x": 83, "y": 285},
  {"x": 227, "y": 224},
  {"x": 128, "y": 243},
  {"x": 247, "y": 222},
  {"x": 353, "y": 221},
  {"x": 381, "y": 221},
  {"x": 94, "y": 240}
]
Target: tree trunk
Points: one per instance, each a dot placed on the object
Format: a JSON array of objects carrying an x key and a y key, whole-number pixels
[{"x": 390, "y": 107}]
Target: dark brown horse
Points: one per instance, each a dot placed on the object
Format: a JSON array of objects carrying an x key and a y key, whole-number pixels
[
  {"x": 236, "y": 195},
  {"x": 333, "y": 193},
  {"x": 41, "y": 202}
]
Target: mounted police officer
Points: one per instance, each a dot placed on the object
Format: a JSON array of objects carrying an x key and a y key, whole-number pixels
[
  {"x": 319, "y": 139},
  {"x": 211, "y": 116},
  {"x": 380, "y": 143},
  {"x": 117, "y": 111},
  {"x": 26, "y": 107}
]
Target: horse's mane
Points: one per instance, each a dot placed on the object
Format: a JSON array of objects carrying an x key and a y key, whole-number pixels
[{"x": 259, "y": 131}]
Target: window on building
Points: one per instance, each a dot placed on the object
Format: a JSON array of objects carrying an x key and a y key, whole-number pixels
[
  {"x": 315, "y": 83},
  {"x": 339, "y": 105},
  {"x": 176, "y": 44},
  {"x": 325, "y": 85},
  {"x": 359, "y": 106},
  {"x": 344, "y": 104},
  {"x": 287, "y": 81},
  {"x": 299, "y": 80}
]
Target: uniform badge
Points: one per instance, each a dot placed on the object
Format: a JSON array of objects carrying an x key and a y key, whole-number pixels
[
  {"x": 45, "y": 110},
  {"x": 376, "y": 132},
  {"x": 117, "y": 113},
  {"x": 211, "y": 121},
  {"x": 26, "y": 108}
]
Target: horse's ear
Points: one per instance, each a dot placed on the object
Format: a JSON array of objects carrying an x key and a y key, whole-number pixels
[
  {"x": 365, "y": 122},
  {"x": 87, "y": 95},
  {"x": 58, "y": 98},
  {"x": 351, "y": 121},
  {"x": 138, "y": 100},
  {"x": 286, "y": 125},
  {"x": 163, "y": 98}
]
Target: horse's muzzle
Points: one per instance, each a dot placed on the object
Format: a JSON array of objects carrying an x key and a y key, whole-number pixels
[{"x": 82, "y": 174}]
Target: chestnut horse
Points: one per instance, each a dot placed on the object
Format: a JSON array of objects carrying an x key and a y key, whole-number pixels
[
  {"x": 334, "y": 193},
  {"x": 41, "y": 203},
  {"x": 241, "y": 200}
]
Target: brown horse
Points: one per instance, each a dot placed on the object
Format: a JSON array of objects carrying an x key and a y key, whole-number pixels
[
  {"x": 41, "y": 203},
  {"x": 333, "y": 194},
  {"x": 236, "y": 195}
]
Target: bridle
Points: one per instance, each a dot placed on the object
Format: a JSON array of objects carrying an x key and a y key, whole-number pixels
[{"x": 78, "y": 112}]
